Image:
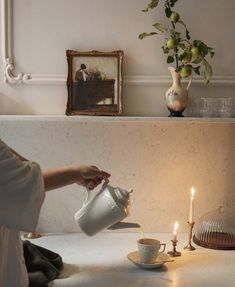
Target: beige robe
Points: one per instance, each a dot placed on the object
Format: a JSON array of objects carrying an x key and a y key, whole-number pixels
[{"x": 21, "y": 196}]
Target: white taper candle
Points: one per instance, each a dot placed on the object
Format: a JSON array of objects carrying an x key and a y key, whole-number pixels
[
  {"x": 191, "y": 207},
  {"x": 174, "y": 238}
]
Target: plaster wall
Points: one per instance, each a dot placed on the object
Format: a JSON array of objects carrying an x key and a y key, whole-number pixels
[{"x": 159, "y": 159}]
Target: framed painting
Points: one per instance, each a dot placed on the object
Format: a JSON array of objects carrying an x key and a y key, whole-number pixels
[{"x": 94, "y": 82}]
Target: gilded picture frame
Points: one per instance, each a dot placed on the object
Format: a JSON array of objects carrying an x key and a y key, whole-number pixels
[{"x": 94, "y": 82}]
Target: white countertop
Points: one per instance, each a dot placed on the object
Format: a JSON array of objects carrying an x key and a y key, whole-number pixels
[{"x": 101, "y": 261}]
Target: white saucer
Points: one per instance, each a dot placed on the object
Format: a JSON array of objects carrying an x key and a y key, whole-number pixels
[{"x": 160, "y": 261}]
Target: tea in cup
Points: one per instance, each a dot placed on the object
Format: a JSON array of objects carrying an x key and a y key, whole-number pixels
[{"x": 149, "y": 249}]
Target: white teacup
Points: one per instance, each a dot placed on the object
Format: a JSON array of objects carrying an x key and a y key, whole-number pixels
[{"x": 149, "y": 249}]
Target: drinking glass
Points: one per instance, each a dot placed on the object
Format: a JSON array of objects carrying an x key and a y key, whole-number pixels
[
  {"x": 225, "y": 107},
  {"x": 209, "y": 107}
]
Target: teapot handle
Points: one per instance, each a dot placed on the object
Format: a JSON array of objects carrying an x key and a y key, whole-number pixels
[
  {"x": 80, "y": 212},
  {"x": 104, "y": 185}
]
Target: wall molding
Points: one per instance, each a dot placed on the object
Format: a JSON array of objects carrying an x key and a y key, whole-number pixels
[
  {"x": 11, "y": 77},
  {"x": 7, "y": 45},
  {"x": 156, "y": 80}
]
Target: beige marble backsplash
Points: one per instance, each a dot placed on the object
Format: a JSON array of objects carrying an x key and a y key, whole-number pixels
[{"x": 159, "y": 159}]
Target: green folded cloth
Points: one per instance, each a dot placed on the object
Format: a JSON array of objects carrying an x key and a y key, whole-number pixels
[{"x": 43, "y": 265}]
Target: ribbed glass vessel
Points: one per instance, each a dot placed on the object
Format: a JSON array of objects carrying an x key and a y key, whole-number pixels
[{"x": 216, "y": 229}]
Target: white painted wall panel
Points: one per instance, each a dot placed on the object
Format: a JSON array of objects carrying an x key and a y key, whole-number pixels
[{"x": 43, "y": 30}]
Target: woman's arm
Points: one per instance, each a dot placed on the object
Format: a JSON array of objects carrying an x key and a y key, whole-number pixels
[{"x": 89, "y": 176}]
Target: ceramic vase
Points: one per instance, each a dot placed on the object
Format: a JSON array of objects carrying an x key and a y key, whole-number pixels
[{"x": 177, "y": 95}]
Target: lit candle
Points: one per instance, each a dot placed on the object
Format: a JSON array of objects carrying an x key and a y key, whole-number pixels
[
  {"x": 175, "y": 231},
  {"x": 191, "y": 207}
]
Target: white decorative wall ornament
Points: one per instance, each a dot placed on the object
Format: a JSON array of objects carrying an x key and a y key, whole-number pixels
[
  {"x": 54, "y": 79},
  {"x": 10, "y": 77},
  {"x": 7, "y": 53}
]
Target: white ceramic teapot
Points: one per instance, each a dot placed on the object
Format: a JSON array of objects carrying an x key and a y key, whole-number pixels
[{"x": 105, "y": 210}]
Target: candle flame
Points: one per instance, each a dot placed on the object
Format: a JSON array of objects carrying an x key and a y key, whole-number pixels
[
  {"x": 176, "y": 226},
  {"x": 192, "y": 191}
]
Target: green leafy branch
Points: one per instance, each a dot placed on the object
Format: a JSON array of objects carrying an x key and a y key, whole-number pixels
[{"x": 189, "y": 56}]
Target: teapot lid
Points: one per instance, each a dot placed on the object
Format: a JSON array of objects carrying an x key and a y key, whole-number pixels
[{"x": 121, "y": 196}]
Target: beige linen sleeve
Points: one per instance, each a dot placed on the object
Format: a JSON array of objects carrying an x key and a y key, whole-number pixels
[{"x": 21, "y": 191}]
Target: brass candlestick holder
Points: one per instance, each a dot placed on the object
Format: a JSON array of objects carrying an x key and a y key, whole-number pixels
[
  {"x": 189, "y": 246},
  {"x": 174, "y": 252},
  {"x": 32, "y": 235}
]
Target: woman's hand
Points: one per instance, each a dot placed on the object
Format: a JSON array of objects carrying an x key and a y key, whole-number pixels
[{"x": 89, "y": 176}]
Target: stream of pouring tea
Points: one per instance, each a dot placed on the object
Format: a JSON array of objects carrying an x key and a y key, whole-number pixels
[{"x": 142, "y": 232}]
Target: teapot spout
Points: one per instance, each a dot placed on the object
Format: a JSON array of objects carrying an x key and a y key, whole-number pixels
[{"x": 121, "y": 225}]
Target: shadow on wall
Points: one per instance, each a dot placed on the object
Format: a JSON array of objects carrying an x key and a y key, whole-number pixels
[{"x": 9, "y": 106}]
